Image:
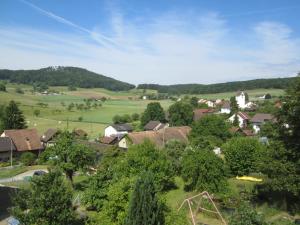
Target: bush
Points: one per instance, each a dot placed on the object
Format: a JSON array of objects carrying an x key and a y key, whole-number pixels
[
  {"x": 2, "y": 87},
  {"x": 28, "y": 158}
]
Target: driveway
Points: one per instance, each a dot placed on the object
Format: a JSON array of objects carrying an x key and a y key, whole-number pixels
[{"x": 21, "y": 176}]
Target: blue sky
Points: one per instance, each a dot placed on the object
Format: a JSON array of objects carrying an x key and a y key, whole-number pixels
[{"x": 164, "y": 42}]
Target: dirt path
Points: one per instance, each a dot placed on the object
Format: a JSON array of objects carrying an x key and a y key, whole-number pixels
[{"x": 21, "y": 176}]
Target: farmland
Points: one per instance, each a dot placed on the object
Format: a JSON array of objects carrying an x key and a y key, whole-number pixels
[{"x": 54, "y": 112}]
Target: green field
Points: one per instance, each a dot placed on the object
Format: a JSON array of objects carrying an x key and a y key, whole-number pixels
[{"x": 55, "y": 115}]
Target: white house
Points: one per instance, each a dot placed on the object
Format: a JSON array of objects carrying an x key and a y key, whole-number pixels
[
  {"x": 241, "y": 99},
  {"x": 210, "y": 103},
  {"x": 225, "y": 108},
  {"x": 117, "y": 130},
  {"x": 242, "y": 117}
]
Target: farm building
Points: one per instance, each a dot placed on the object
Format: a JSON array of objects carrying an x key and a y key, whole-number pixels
[
  {"x": 159, "y": 138},
  {"x": 48, "y": 138},
  {"x": 117, "y": 130},
  {"x": 25, "y": 140},
  {"x": 7, "y": 147},
  {"x": 259, "y": 119}
]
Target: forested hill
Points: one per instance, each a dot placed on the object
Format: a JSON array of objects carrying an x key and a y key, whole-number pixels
[
  {"x": 280, "y": 83},
  {"x": 64, "y": 76}
]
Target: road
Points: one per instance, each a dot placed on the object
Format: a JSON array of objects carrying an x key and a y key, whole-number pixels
[{"x": 20, "y": 176}]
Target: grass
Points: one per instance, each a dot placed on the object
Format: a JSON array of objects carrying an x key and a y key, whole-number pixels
[{"x": 10, "y": 172}]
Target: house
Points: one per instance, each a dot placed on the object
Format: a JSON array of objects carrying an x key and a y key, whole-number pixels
[
  {"x": 79, "y": 133},
  {"x": 259, "y": 119},
  {"x": 241, "y": 99},
  {"x": 117, "y": 130},
  {"x": 199, "y": 113},
  {"x": 48, "y": 138},
  {"x": 243, "y": 119},
  {"x": 7, "y": 148},
  {"x": 25, "y": 140},
  {"x": 159, "y": 137},
  {"x": 210, "y": 103},
  {"x": 155, "y": 125},
  {"x": 240, "y": 131},
  {"x": 226, "y": 108}
]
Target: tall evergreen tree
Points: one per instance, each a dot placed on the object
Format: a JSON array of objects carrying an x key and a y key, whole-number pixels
[
  {"x": 233, "y": 104},
  {"x": 13, "y": 117},
  {"x": 145, "y": 208}
]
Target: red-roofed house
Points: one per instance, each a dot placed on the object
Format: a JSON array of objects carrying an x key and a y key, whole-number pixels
[{"x": 242, "y": 117}]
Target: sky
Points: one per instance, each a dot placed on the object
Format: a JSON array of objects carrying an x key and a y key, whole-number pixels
[{"x": 157, "y": 41}]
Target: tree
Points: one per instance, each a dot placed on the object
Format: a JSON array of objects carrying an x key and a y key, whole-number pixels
[
  {"x": 175, "y": 150},
  {"x": 194, "y": 101},
  {"x": 246, "y": 215},
  {"x": 135, "y": 117},
  {"x": 154, "y": 111},
  {"x": 268, "y": 96},
  {"x": 48, "y": 201},
  {"x": 236, "y": 121},
  {"x": 145, "y": 207},
  {"x": 233, "y": 105},
  {"x": 71, "y": 106},
  {"x": 180, "y": 114},
  {"x": 13, "y": 117},
  {"x": 19, "y": 90},
  {"x": 71, "y": 156},
  {"x": 211, "y": 129},
  {"x": 2, "y": 87},
  {"x": 242, "y": 155},
  {"x": 202, "y": 170},
  {"x": 28, "y": 158},
  {"x": 36, "y": 112}
]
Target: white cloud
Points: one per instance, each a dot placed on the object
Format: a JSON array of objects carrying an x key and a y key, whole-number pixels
[{"x": 168, "y": 49}]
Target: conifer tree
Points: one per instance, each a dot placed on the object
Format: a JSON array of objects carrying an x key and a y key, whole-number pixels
[
  {"x": 145, "y": 208},
  {"x": 13, "y": 117}
]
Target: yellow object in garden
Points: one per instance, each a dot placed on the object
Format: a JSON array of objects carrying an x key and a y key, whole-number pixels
[{"x": 249, "y": 178}]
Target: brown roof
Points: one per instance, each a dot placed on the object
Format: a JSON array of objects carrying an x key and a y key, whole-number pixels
[
  {"x": 234, "y": 129},
  {"x": 49, "y": 134},
  {"x": 199, "y": 113},
  {"x": 226, "y": 105},
  {"x": 154, "y": 125},
  {"x": 248, "y": 132},
  {"x": 160, "y": 137},
  {"x": 6, "y": 144},
  {"x": 262, "y": 117},
  {"x": 108, "y": 140},
  {"x": 244, "y": 115},
  {"x": 25, "y": 139}
]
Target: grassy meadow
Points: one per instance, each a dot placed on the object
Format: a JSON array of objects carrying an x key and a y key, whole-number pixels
[{"x": 93, "y": 121}]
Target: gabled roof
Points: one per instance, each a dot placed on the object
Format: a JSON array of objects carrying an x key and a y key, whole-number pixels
[
  {"x": 122, "y": 127},
  {"x": 6, "y": 144},
  {"x": 248, "y": 132},
  {"x": 108, "y": 140},
  {"x": 199, "y": 113},
  {"x": 244, "y": 115},
  {"x": 49, "y": 134},
  {"x": 262, "y": 117},
  {"x": 154, "y": 125},
  {"x": 239, "y": 93},
  {"x": 160, "y": 137},
  {"x": 25, "y": 139},
  {"x": 226, "y": 105}
]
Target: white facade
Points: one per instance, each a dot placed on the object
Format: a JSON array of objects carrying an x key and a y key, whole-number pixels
[
  {"x": 256, "y": 128},
  {"x": 241, "y": 100},
  {"x": 111, "y": 131},
  {"x": 123, "y": 143},
  {"x": 225, "y": 110},
  {"x": 210, "y": 104},
  {"x": 242, "y": 121}
]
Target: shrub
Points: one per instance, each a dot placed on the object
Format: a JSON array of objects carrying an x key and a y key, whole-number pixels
[{"x": 28, "y": 158}]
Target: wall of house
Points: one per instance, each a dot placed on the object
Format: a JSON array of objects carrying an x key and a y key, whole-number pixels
[
  {"x": 256, "y": 128},
  {"x": 123, "y": 143},
  {"x": 227, "y": 111},
  {"x": 4, "y": 156},
  {"x": 240, "y": 119}
]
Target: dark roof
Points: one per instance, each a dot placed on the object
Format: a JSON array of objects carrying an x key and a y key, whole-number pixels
[
  {"x": 226, "y": 105},
  {"x": 199, "y": 113},
  {"x": 49, "y": 134},
  {"x": 160, "y": 137},
  {"x": 154, "y": 125},
  {"x": 262, "y": 117},
  {"x": 122, "y": 127},
  {"x": 25, "y": 139},
  {"x": 6, "y": 144}
]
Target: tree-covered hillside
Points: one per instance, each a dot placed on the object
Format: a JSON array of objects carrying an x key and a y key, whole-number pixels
[
  {"x": 280, "y": 83},
  {"x": 64, "y": 76}
]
